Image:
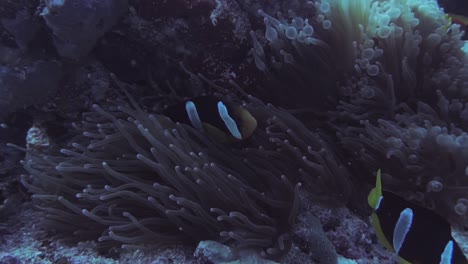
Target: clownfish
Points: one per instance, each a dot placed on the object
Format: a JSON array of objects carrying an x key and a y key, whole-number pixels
[
  {"x": 459, "y": 19},
  {"x": 224, "y": 121},
  {"x": 416, "y": 234}
]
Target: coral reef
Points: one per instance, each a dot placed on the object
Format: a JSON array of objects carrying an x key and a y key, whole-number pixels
[
  {"x": 77, "y": 25},
  {"x": 24, "y": 84}
]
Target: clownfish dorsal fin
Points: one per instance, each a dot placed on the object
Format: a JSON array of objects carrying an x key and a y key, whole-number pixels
[
  {"x": 375, "y": 195},
  {"x": 228, "y": 121}
]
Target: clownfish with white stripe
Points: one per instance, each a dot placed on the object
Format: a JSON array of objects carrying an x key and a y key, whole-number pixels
[
  {"x": 224, "y": 121},
  {"x": 416, "y": 234}
]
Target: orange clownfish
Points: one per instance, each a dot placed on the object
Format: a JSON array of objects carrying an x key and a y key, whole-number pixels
[{"x": 224, "y": 121}]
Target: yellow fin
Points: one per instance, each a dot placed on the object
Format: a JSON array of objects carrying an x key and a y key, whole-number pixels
[
  {"x": 247, "y": 123},
  {"x": 383, "y": 239},
  {"x": 448, "y": 18},
  {"x": 374, "y": 199},
  {"x": 402, "y": 261},
  {"x": 375, "y": 194},
  {"x": 215, "y": 133},
  {"x": 379, "y": 233}
]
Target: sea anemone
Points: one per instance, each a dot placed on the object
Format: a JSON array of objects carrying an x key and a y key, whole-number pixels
[
  {"x": 391, "y": 78},
  {"x": 131, "y": 177}
]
